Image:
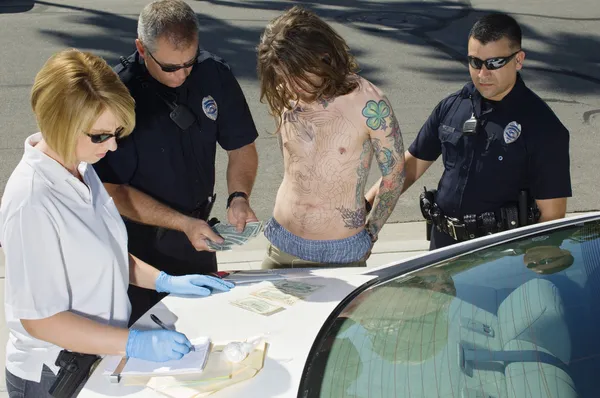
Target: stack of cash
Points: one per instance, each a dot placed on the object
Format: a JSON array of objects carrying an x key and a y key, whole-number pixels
[{"x": 232, "y": 237}]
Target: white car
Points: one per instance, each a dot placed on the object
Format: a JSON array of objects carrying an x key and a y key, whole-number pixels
[{"x": 515, "y": 314}]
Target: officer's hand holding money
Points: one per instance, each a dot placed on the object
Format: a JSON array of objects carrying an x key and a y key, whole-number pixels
[
  {"x": 239, "y": 213},
  {"x": 197, "y": 285},
  {"x": 198, "y": 232},
  {"x": 157, "y": 345}
]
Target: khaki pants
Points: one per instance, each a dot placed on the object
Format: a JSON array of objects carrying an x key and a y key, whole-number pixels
[{"x": 276, "y": 259}]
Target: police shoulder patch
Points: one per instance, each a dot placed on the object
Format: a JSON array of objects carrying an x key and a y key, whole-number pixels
[
  {"x": 203, "y": 55},
  {"x": 512, "y": 131},
  {"x": 210, "y": 108}
]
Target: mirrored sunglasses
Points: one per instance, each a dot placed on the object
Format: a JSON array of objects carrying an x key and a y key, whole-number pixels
[{"x": 490, "y": 63}]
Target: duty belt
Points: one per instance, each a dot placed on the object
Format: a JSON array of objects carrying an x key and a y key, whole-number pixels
[
  {"x": 470, "y": 226},
  {"x": 474, "y": 226}
]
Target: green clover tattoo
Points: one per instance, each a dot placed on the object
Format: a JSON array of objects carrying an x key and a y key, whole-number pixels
[{"x": 376, "y": 114}]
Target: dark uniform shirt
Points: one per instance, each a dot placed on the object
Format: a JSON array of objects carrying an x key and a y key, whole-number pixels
[
  {"x": 174, "y": 166},
  {"x": 485, "y": 170}
]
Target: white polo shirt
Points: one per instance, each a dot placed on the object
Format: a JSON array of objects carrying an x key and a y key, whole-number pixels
[{"x": 66, "y": 250}]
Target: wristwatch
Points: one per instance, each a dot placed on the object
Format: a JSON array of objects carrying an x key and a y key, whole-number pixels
[{"x": 236, "y": 194}]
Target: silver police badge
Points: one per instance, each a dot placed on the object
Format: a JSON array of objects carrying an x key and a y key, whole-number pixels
[
  {"x": 512, "y": 131},
  {"x": 209, "y": 106}
]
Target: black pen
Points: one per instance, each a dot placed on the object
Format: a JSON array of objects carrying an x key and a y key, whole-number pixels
[
  {"x": 163, "y": 326},
  {"x": 158, "y": 321}
]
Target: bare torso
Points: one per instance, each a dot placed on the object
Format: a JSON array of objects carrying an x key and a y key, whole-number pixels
[{"x": 327, "y": 155}]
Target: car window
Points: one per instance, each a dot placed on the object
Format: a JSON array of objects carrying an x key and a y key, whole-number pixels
[{"x": 519, "y": 319}]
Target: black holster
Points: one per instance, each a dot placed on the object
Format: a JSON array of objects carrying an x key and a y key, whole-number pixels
[
  {"x": 528, "y": 211},
  {"x": 75, "y": 369},
  {"x": 202, "y": 212},
  {"x": 428, "y": 209}
]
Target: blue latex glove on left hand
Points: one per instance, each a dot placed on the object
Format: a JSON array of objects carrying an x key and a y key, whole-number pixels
[{"x": 190, "y": 284}]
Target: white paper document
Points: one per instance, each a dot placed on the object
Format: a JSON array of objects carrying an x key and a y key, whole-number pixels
[{"x": 193, "y": 362}]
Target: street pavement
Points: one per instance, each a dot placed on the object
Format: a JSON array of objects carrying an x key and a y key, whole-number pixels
[{"x": 414, "y": 50}]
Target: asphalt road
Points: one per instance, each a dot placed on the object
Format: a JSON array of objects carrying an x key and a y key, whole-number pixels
[{"x": 413, "y": 50}]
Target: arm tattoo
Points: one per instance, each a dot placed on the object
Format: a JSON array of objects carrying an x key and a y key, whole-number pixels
[
  {"x": 389, "y": 151},
  {"x": 356, "y": 219},
  {"x": 363, "y": 171},
  {"x": 385, "y": 157},
  {"x": 376, "y": 114}
]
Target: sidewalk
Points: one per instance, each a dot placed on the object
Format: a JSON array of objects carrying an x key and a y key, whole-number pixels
[{"x": 396, "y": 242}]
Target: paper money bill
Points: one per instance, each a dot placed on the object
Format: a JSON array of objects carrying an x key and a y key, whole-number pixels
[
  {"x": 221, "y": 247},
  {"x": 298, "y": 289},
  {"x": 251, "y": 230},
  {"x": 257, "y": 306},
  {"x": 232, "y": 237},
  {"x": 273, "y": 294}
]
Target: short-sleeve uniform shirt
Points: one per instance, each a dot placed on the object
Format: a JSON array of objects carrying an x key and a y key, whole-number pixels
[
  {"x": 174, "y": 166},
  {"x": 519, "y": 144},
  {"x": 66, "y": 250}
]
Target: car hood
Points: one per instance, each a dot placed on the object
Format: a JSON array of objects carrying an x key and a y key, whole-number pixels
[{"x": 290, "y": 333}]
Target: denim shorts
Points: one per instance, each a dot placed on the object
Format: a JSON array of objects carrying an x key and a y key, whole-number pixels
[{"x": 337, "y": 251}]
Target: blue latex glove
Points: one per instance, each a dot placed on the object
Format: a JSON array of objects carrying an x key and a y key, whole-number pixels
[
  {"x": 157, "y": 345},
  {"x": 190, "y": 284}
]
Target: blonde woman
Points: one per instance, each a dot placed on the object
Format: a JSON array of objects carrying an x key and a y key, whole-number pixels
[{"x": 67, "y": 265}]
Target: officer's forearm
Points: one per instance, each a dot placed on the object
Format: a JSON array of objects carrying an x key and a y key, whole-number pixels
[
  {"x": 385, "y": 201},
  {"x": 552, "y": 209},
  {"x": 76, "y": 333},
  {"x": 241, "y": 169},
  {"x": 142, "y": 208}
]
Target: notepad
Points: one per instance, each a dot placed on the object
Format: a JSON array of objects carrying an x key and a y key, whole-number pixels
[{"x": 193, "y": 362}]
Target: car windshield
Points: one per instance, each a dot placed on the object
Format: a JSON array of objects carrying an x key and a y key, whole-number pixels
[{"x": 519, "y": 319}]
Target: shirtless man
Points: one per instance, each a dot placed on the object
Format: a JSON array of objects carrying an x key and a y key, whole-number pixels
[{"x": 330, "y": 124}]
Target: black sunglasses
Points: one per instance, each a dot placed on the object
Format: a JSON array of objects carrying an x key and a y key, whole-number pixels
[
  {"x": 103, "y": 137},
  {"x": 490, "y": 63},
  {"x": 175, "y": 68}
]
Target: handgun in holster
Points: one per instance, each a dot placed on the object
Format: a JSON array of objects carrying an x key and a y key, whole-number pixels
[
  {"x": 427, "y": 205},
  {"x": 75, "y": 369}
]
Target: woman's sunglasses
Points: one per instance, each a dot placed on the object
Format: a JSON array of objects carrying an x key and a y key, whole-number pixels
[
  {"x": 175, "y": 68},
  {"x": 103, "y": 137},
  {"x": 490, "y": 63}
]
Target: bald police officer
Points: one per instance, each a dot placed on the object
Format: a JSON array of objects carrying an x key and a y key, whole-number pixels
[
  {"x": 162, "y": 176},
  {"x": 505, "y": 153}
]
